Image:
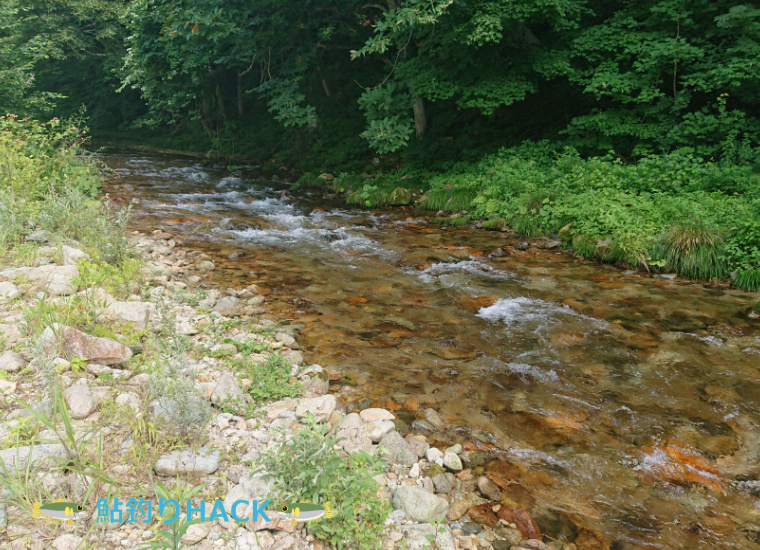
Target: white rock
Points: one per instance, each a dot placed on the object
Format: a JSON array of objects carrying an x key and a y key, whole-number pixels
[
  {"x": 129, "y": 399},
  {"x": 452, "y": 461},
  {"x": 8, "y": 291},
  {"x": 56, "y": 280},
  {"x": 433, "y": 454},
  {"x": 197, "y": 532},
  {"x": 414, "y": 471},
  {"x": 68, "y": 541},
  {"x": 71, "y": 256},
  {"x": 203, "y": 462},
  {"x": 321, "y": 407},
  {"x": 81, "y": 401},
  {"x": 138, "y": 313},
  {"x": 11, "y": 362},
  {"x": 376, "y": 429},
  {"x": 368, "y": 415}
]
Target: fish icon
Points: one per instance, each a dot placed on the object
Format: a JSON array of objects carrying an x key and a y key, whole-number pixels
[
  {"x": 59, "y": 509},
  {"x": 304, "y": 511}
]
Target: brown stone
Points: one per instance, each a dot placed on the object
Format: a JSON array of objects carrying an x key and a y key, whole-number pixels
[
  {"x": 589, "y": 539},
  {"x": 521, "y": 518},
  {"x": 483, "y": 514}
]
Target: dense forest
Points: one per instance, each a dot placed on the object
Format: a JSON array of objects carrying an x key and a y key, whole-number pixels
[{"x": 628, "y": 129}]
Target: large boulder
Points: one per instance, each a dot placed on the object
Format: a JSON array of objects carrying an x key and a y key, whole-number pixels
[
  {"x": 419, "y": 505},
  {"x": 72, "y": 343}
]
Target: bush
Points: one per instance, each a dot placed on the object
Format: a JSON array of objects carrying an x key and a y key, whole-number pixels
[
  {"x": 309, "y": 468},
  {"x": 48, "y": 182}
]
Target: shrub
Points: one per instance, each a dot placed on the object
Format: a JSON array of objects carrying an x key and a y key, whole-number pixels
[
  {"x": 181, "y": 409},
  {"x": 309, "y": 468}
]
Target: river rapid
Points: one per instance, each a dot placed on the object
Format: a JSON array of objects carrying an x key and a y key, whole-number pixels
[{"x": 617, "y": 405}]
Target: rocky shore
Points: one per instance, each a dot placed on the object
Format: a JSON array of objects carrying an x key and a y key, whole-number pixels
[{"x": 118, "y": 362}]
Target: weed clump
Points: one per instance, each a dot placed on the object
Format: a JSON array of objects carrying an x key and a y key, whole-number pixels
[
  {"x": 179, "y": 407},
  {"x": 693, "y": 249},
  {"x": 310, "y": 468}
]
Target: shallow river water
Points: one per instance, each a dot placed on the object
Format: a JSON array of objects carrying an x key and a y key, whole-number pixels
[{"x": 621, "y": 407}]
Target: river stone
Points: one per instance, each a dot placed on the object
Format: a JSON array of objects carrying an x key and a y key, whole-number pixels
[
  {"x": 452, "y": 461},
  {"x": 3, "y": 519},
  {"x": 42, "y": 455},
  {"x": 203, "y": 462},
  {"x": 286, "y": 339},
  {"x": 196, "y": 532},
  {"x": 489, "y": 489},
  {"x": 419, "y": 505},
  {"x": 419, "y": 444},
  {"x": 434, "y": 419},
  {"x": 417, "y": 537},
  {"x": 56, "y": 280},
  {"x": 11, "y": 362},
  {"x": 295, "y": 358},
  {"x": 72, "y": 344},
  {"x": 376, "y": 429},
  {"x": 137, "y": 313},
  {"x": 9, "y": 291},
  {"x": 11, "y": 334},
  {"x": 40, "y": 236},
  {"x": 400, "y": 196},
  {"x": 444, "y": 482},
  {"x": 397, "y": 449},
  {"x": 68, "y": 541},
  {"x": 205, "y": 265},
  {"x": 129, "y": 400},
  {"x": 433, "y": 454},
  {"x": 98, "y": 295},
  {"x": 227, "y": 392},
  {"x": 368, "y": 415},
  {"x": 321, "y": 407},
  {"x": 81, "y": 401},
  {"x": 71, "y": 256},
  {"x": 229, "y": 306},
  {"x": 249, "y": 489},
  {"x": 352, "y": 435}
]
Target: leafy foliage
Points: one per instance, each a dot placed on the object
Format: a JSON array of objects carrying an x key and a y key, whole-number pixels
[{"x": 309, "y": 468}]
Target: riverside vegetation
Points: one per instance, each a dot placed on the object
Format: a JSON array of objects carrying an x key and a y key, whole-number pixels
[{"x": 123, "y": 376}]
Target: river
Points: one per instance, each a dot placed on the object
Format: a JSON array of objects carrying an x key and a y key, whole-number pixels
[{"x": 620, "y": 406}]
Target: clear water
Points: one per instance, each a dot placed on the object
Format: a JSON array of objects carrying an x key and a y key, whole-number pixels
[{"x": 627, "y": 406}]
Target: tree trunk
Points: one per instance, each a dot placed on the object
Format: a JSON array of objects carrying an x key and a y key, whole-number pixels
[
  {"x": 420, "y": 120},
  {"x": 240, "y": 94}
]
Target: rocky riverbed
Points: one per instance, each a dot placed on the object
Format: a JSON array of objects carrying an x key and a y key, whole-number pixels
[{"x": 441, "y": 497}]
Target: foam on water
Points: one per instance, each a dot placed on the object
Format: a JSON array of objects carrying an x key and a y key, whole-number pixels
[
  {"x": 533, "y": 371},
  {"x": 522, "y": 311},
  {"x": 457, "y": 273}
]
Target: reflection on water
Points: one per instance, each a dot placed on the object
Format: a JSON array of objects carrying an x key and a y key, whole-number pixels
[{"x": 618, "y": 404}]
